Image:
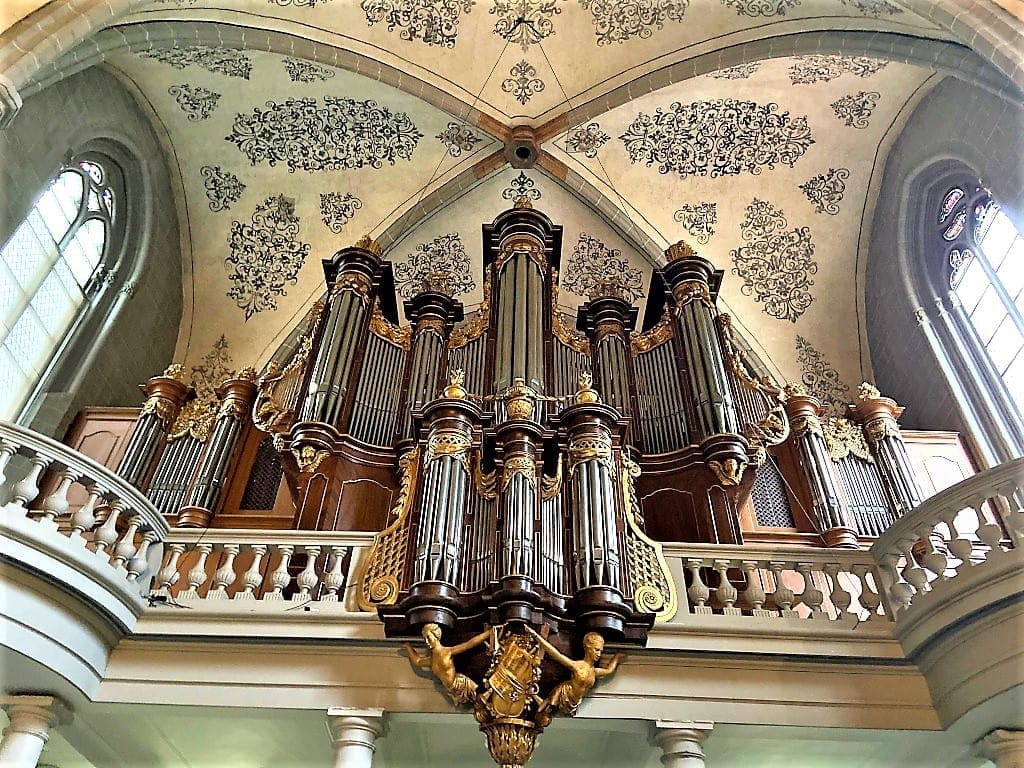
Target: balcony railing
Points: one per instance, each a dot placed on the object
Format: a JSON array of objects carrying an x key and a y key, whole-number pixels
[
  {"x": 116, "y": 525},
  {"x": 968, "y": 538}
]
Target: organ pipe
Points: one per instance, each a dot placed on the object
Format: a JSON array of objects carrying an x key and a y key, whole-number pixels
[{"x": 165, "y": 396}]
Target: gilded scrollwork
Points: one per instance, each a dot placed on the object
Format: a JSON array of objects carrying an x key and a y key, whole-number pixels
[
  {"x": 568, "y": 335},
  {"x": 400, "y": 335},
  {"x": 594, "y": 447},
  {"x": 309, "y": 458},
  {"x": 356, "y": 282},
  {"x": 843, "y": 437},
  {"x": 653, "y": 588},
  {"x": 448, "y": 442},
  {"x": 551, "y": 486},
  {"x": 692, "y": 290},
  {"x": 522, "y": 465},
  {"x": 659, "y": 333},
  {"x": 381, "y": 579}
]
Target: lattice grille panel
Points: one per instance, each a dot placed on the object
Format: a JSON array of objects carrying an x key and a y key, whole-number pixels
[
  {"x": 261, "y": 490},
  {"x": 771, "y": 504}
]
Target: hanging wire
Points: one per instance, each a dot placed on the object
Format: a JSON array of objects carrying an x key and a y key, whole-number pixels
[{"x": 568, "y": 101}]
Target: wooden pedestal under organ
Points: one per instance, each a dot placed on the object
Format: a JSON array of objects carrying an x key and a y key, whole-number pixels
[{"x": 520, "y": 469}]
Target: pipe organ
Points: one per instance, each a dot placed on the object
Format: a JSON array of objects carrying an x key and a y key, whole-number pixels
[{"x": 521, "y": 466}]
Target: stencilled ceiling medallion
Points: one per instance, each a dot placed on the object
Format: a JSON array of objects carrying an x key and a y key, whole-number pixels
[
  {"x": 441, "y": 262},
  {"x": 340, "y": 133},
  {"x": 717, "y": 138},
  {"x": 434, "y": 22},
  {"x": 265, "y": 255},
  {"x": 592, "y": 261},
  {"x": 777, "y": 262},
  {"x": 821, "y": 378}
]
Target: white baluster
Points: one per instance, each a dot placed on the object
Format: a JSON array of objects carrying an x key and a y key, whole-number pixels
[
  {"x": 698, "y": 591},
  {"x": 934, "y": 559},
  {"x": 870, "y": 595},
  {"x": 197, "y": 576},
  {"x": 959, "y": 546},
  {"x": 726, "y": 592},
  {"x": 56, "y": 504},
  {"x": 106, "y": 534},
  {"x": 1014, "y": 518},
  {"x": 26, "y": 489},
  {"x": 126, "y": 546},
  {"x": 811, "y": 596},
  {"x": 169, "y": 575},
  {"x": 140, "y": 560},
  {"x": 839, "y": 597},
  {"x": 782, "y": 596},
  {"x": 253, "y": 577},
  {"x": 988, "y": 531},
  {"x": 753, "y": 595},
  {"x": 334, "y": 579},
  {"x": 279, "y": 579},
  {"x": 85, "y": 516},
  {"x": 307, "y": 579},
  {"x": 224, "y": 577},
  {"x": 900, "y": 592},
  {"x": 7, "y": 450},
  {"x": 913, "y": 573}
]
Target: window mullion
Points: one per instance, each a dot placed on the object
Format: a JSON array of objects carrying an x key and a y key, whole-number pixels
[{"x": 1009, "y": 305}]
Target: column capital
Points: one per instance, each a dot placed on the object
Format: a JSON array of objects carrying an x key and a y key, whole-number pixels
[
  {"x": 681, "y": 741},
  {"x": 351, "y": 725},
  {"x": 34, "y": 715},
  {"x": 1003, "y": 747}
]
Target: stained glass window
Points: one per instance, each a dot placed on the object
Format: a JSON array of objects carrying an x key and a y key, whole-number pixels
[
  {"x": 48, "y": 268},
  {"x": 985, "y": 269}
]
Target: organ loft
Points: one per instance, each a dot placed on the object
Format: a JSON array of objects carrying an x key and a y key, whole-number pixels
[{"x": 520, "y": 470}]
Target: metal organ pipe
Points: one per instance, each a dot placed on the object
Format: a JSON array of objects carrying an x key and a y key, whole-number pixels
[{"x": 165, "y": 396}]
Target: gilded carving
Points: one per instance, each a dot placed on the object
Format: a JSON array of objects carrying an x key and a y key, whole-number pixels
[
  {"x": 653, "y": 588},
  {"x": 680, "y": 250},
  {"x": 692, "y": 290},
  {"x": 583, "y": 674},
  {"x": 448, "y": 442},
  {"x": 585, "y": 392},
  {"x": 440, "y": 659},
  {"x": 273, "y": 410},
  {"x": 519, "y": 464},
  {"x": 456, "y": 384},
  {"x": 659, "y": 333},
  {"x": 399, "y": 335},
  {"x": 367, "y": 243},
  {"x": 843, "y": 437},
  {"x": 309, "y": 458},
  {"x": 353, "y": 281},
  {"x": 729, "y": 471},
  {"x": 551, "y": 486},
  {"x": 159, "y": 405},
  {"x": 568, "y": 335},
  {"x": 591, "y": 448},
  {"x": 803, "y": 425},
  {"x": 381, "y": 578},
  {"x": 521, "y": 244},
  {"x": 476, "y": 323}
]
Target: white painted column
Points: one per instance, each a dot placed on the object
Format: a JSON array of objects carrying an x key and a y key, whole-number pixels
[
  {"x": 1004, "y": 748},
  {"x": 681, "y": 742},
  {"x": 31, "y": 719},
  {"x": 354, "y": 733}
]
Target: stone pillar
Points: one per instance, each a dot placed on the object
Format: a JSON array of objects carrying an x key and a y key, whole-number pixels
[
  {"x": 877, "y": 415},
  {"x": 829, "y": 505},
  {"x": 354, "y": 733},
  {"x": 165, "y": 396},
  {"x": 31, "y": 718},
  {"x": 681, "y": 743},
  {"x": 1004, "y": 748}
]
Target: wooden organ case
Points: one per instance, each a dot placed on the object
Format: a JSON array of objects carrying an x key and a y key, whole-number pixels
[{"x": 518, "y": 466}]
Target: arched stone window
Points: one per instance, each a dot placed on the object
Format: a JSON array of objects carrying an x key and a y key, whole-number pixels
[
  {"x": 53, "y": 268},
  {"x": 973, "y": 257},
  {"x": 984, "y": 265}
]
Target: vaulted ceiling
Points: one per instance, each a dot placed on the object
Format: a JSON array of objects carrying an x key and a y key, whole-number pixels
[{"x": 754, "y": 129}]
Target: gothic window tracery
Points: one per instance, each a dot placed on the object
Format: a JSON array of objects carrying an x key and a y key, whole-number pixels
[
  {"x": 983, "y": 263},
  {"x": 50, "y": 267}
]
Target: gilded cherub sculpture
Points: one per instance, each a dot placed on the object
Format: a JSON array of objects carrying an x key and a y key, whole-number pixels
[
  {"x": 583, "y": 674},
  {"x": 441, "y": 661}
]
